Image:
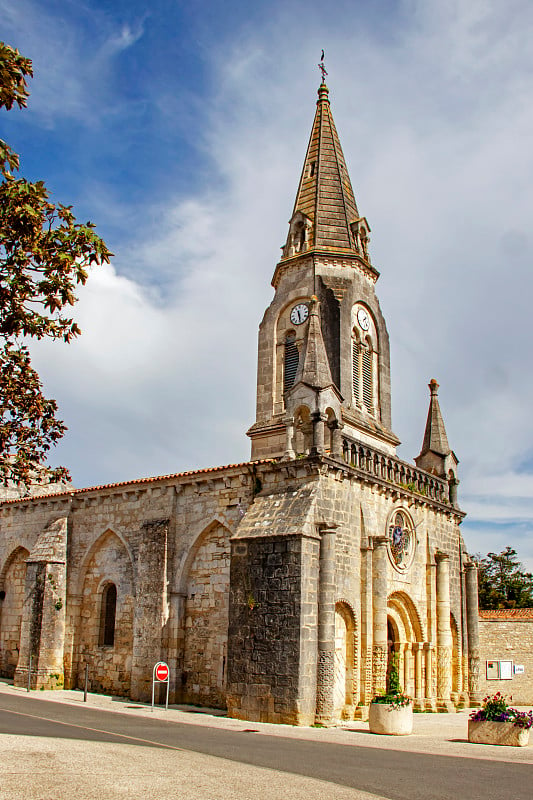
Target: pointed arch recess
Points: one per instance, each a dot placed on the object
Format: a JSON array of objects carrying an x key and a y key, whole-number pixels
[
  {"x": 13, "y": 588},
  {"x": 96, "y": 545},
  {"x": 205, "y": 590},
  {"x": 185, "y": 565},
  {"x": 107, "y": 561},
  {"x": 14, "y": 555}
]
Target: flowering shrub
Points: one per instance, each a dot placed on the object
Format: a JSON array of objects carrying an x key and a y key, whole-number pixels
[
  {"x": 496, "y": 709},
  {"x": 394, "y": 696},
  {"x": 394, "y": 700}
]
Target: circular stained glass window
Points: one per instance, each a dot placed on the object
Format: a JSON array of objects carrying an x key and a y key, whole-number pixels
[{"x": 401, "y": 540}]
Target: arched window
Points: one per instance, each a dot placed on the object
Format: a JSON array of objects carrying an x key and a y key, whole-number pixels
[
  {"x": 107, "y": 615},
  {"x": 292, "y": 358}
]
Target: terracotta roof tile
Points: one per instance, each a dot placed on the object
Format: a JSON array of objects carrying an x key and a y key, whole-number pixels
[
  {"x": 507, "y": 613},
  {"x": 136, "y": 482}
]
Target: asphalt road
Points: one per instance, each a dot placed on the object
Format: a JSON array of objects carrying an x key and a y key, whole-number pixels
[{"x": 397, "y": 775}]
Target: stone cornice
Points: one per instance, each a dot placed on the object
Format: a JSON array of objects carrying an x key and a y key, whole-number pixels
[{"x": 326, "y": 258}]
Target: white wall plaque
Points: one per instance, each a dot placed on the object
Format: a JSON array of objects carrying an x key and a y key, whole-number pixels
[{"x": 506, "y": 670}]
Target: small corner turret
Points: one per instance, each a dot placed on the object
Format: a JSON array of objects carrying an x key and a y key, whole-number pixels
[{"x": 436, "y": 455}]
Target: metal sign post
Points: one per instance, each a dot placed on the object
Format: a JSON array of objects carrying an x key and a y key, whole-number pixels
[{"x": 161, "y": 674}]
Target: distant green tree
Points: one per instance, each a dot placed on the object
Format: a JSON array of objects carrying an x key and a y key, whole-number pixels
[
  {"x": 503, "y": 581},
  {"x": 44, "y": 254}
]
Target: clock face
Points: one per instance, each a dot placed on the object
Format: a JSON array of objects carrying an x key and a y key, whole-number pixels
[
  {"x": 299, "y": 314},
  {"x": 363, "y": 319}
]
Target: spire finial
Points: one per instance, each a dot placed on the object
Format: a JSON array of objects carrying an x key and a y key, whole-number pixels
[{"x": 322, "y": 68}]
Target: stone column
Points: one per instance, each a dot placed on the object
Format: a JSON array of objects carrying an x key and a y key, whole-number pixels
[
  {"x": 319, "y": 421},
  {"x": 325, "y": 678},
  {"x": 289, "y": 430},
  {"x": 453, "y": 483},
  {"x": 472, "y": 621},
  {"x": 444, "y": 633},
  {"x": 379, "y": 614},
  {"x": 428, "y": 689},
  {"x": 417, "y": 647},
  {"x": 464, "y": 634},
  {"x": 366, "y": 624},
  {"x": 408, "y": 669},
  {"x": 336, "y": 440}
]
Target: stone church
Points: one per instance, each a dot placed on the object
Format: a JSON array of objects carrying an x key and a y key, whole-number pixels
[{"x": 279, "y": 588}]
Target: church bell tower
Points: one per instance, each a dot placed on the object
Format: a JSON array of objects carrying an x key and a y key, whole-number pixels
[{"x": 323, "y": 379}]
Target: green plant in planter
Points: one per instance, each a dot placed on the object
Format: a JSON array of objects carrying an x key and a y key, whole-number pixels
[
  {"x": 394, "y": 695},
  {"x": 496, "y": 709}
]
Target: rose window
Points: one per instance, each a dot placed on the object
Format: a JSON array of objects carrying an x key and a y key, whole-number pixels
[{"x": 401, "y": 541}]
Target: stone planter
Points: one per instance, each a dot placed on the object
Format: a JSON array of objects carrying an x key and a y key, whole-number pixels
[
  {"x": 486, "y": 732},
  {"x": 383, "y": 718}
]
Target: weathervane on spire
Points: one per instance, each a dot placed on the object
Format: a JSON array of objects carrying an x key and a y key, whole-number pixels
[{"x": 322, "y": 68}]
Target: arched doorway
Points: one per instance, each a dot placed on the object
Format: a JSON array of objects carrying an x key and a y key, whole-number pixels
[
  {"x": 344, "y": 690},
  {"x": 405, "y": 635}
]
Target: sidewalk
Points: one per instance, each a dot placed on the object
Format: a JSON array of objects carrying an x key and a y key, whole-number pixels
[{"x": 437, "y": 734}]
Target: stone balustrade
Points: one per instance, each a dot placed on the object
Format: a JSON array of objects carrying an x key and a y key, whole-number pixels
[{"x": 393, "y": 470}]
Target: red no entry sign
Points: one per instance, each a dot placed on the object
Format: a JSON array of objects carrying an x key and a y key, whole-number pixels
[
  {"x": 161, "y": 671},
  {"x": 161, "y": 675}
]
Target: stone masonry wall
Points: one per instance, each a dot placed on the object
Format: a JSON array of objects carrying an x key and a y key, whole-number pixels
[
  {"x": 142, "y": 537},
  {"x": 508, "y": 636},
  {"x": 264, "y": 629},
  {"x": 206, "y": 621}
]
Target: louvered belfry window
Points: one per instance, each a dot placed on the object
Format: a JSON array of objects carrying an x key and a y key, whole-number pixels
[
  {"x": 363, "y": 375},
  {"x": 368, "y": 388},
  {"x": 356, "y": 349},
  {"x": 292, "y": 358}
]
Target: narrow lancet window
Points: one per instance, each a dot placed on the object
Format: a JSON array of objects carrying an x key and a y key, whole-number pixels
[{"x": 108, "y": 613}]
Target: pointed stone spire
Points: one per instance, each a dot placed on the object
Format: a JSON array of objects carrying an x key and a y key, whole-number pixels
[
  {"x": 436, "y": 455},
  {"x": 313, "y": 368},
  {"x": 435, "y": 438},
  {"x": 325, "y": 215}
]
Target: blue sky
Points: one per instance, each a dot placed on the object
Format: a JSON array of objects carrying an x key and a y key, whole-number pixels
[{"x": 180, "y": 130}]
